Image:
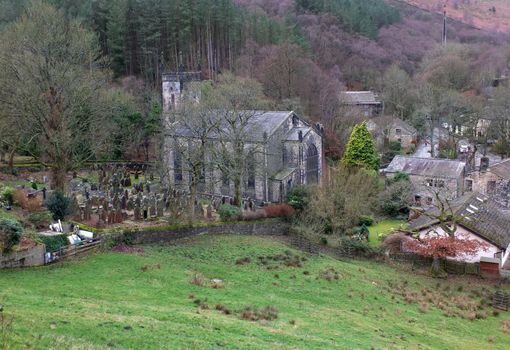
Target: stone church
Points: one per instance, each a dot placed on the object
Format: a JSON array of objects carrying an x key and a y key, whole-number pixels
[{"x": 290, "y": 151}]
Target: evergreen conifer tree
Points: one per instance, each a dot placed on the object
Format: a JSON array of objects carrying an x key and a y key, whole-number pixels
[{"x": 360, "y": 151}]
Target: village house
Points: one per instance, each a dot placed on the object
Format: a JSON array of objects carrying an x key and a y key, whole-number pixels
[
  {"x": 361, "y": 104},
  {"x": 392, "y": 129},
  {"x": 287, "y": 151},
  {"x": 430, "y": 176},
  {"x": 480, "y": 218},
  {"x": 491, "y": 180}
]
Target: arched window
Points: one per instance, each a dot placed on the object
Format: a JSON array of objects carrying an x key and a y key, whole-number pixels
[
  {"x": 312, "y": 165},
  {"x": 250, "y": 171}
]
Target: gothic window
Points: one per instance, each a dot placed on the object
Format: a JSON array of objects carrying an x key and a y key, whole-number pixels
[
  {"x": 177, "y": 166},
  {"x": 312, "y": 165},
  {"x": 250, "y": 172}
]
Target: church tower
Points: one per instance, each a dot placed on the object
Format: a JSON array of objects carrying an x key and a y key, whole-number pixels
[{"x": 174, "y": 85}]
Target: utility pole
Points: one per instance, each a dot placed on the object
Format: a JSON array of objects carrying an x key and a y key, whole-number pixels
[{"x": 444, "y": 27}]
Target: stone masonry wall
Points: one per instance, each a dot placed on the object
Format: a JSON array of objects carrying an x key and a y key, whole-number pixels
[
  {"x": 260, "y": 228},
  {"x": 24, "y": 258}
]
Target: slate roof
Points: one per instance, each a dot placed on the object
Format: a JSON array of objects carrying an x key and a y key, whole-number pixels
[
  {"x": 426, "y": 167},
  {"x": 360, "y": 98},
  {"x": 502, "y": 169},
  {"x": 477, "y": 213},
  {"x": 386, "y": 122},
  {"x": 262, "y": 122}
]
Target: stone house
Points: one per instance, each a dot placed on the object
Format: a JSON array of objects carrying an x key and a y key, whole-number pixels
[
  {"x": 430, "y": 176},
  {"x": 361, "y": 104},
  {"x": 480, "y": 218},
  {"x": 491, "y": 180},
  {"x": 287, "y": 151},
  {"x": 387, "y": 128}
]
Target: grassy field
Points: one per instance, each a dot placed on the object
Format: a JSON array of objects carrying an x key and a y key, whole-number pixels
[
  {"x": 147, "y": 301},
  {"x": 384, "y": 227}
]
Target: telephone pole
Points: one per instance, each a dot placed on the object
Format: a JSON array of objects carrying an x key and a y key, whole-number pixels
[{"x": 444, "y": 27}]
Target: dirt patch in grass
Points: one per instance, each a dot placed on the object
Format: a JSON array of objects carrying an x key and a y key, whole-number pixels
[
  {"x": 200, "y": 280},
  {"x": 124, "y": 248}
]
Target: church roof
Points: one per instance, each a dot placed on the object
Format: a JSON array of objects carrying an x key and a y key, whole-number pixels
[
  {"x": 477, "y": 213},
  {"x": 260, "y": 124},
  {"x": 426, "y": 166}
]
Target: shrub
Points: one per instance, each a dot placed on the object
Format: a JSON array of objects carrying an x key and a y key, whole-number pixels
[
  {"x": 229, "y": 212},
  {"x": 10, "y": 234},
  {"x": 279, "y": 211},
  {"x": 54, "y": 243},
  {"x": 8, "y": 195},
  {"x": 34, "y": 185},
  {"x": 59, "y": 205},
  {"x": 39, "y": 219},
  {"x": 356, "y": 246},
  {"x": 253, "y": 215},
  {"x": 297, "y": 197},
  {"x": 21, "y": 198},
  {"x": 366, "y": 220}
]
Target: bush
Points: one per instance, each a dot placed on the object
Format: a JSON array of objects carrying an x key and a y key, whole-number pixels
[
  {"x": 54, "y": 243},
  {"x": 279, "y": 211},
  {"x": 8, "y": 195},
  {"x": 356, "y": 246},
  {"x": 39, "y": 219},
  {"x": 59, "y": 205},
  {"x": 34, "y": 185},
  {"x": 366, "y": 220},
  {"x": 31, "y": 204},
  {"x": 10, "y": 234},
  {"x": 229, "y": 212},
  {"x": 297, "y": 197}
]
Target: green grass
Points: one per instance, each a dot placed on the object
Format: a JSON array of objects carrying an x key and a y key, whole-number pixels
[
  {"x": 142, "y": 302},
  {"x": 382, "y": 227}
]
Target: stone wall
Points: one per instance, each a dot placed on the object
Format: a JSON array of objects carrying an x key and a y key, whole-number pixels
[
  {"x": 260, "y": 228},
  {"x": 25, "y": 258}
]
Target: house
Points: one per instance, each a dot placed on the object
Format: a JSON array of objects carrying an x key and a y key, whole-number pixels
[
  {"x": 491, "y": 180},
  {"x": 478, "y": 217},
  {"x": 429, "y": 175},
  {"x": 387, "y": 129},
  {"x": 362, "y": 104}
]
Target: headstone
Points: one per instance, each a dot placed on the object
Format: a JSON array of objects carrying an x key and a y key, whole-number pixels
[
  {"x": 209, "y": 211},
  {"x": 137, "y": 212},
  {"x": 160, "y": 207}
]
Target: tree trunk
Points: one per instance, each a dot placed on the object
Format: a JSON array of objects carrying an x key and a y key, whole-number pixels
[
  {"x": 11, "y": 159},
  {"x": 237, "y": 191},
  {"x": 192, "y": 199},
  {"x": 59, "y": 178},
  {"x": 436, "y": 267}
]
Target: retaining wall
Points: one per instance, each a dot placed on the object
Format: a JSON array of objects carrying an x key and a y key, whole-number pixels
[
  {"x": 259, "y": 228},
  {"x": 29, "y": 257}
]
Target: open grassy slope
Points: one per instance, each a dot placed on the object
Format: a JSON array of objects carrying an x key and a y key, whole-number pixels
[{"x": 128, "y": 301}]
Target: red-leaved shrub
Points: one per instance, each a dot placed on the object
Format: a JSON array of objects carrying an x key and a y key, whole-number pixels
[{"x": 279, "y": 211}]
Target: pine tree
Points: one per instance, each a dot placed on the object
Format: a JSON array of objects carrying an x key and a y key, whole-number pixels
[{"x": 360, "y": 151}]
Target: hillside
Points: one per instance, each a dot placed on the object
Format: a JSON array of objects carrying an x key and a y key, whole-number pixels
[
  {"x": 162, "y": 298},
  {"x": 483, "y": 14}
]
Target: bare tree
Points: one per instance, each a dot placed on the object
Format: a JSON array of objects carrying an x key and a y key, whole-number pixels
[
  {"x": 193, "y": 128},
  {"x": 235, "y": 102},
  {"x": 52, "y": 82}
]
